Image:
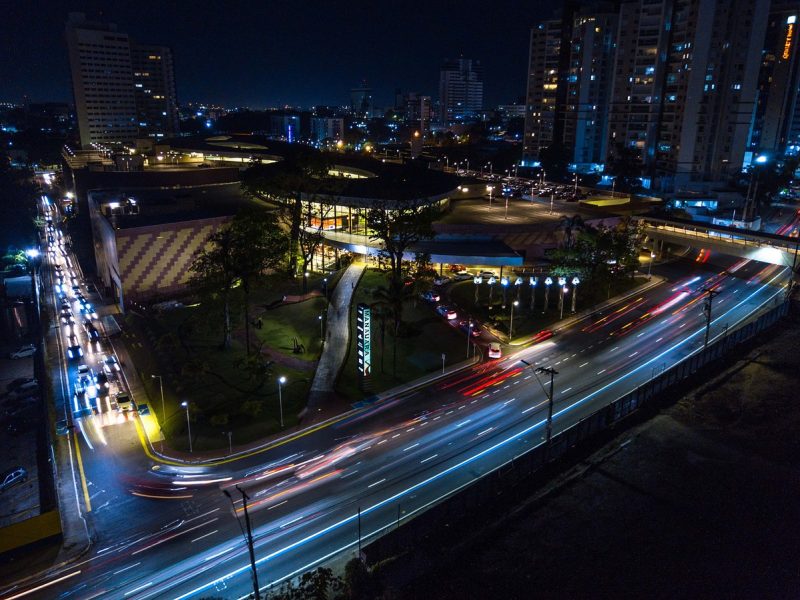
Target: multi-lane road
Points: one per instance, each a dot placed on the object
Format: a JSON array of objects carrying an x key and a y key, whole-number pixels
[{"x": 311, "y": 494}]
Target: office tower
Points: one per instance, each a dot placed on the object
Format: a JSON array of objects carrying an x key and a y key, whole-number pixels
[
  {"x": 777, "y": 119},
  {"x": 543, "y": 76},
  {"x": 588, "y": 85},
  {"x": 418, "y": 111},
  {"x": 460, "y": 90},
  {"x": 154, "y": 91},
  {"x": 102, "y": 81},
  {"x": 123, "y": 90},
  {"x": 361, "y": 101},
  {"x": 327, "y": 128}
]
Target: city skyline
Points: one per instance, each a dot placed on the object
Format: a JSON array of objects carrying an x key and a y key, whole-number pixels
[{"x": 370, "y": 45}]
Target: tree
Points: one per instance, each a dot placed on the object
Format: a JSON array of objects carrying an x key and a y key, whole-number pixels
[
  {"x": 398, "y": 227},
  {"x": 215, "y": 274},
  {"x": 360, "y": 582},
  {"x": 310, "y": 235},
  {"x": 393, "y": 296},
  {"x": 570, "y": 226},
  {"x": 259, "y": 245},
  {"x": 303, "y": 172}
]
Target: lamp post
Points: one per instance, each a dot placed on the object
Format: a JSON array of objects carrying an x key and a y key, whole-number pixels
[
  {"x": 230, "y": 441},
  {"x": 564, "y": 291},
  {"x": 552, "y": 199},
  {"x": 506, "y": 213},
  {"x": 650, "y": 264},
  {"x": 325, "y": 287},
  {"x": 490, "y": 189},
  {"x": 511, "y": 322},
  {"x": 707, "y": 310},
  {"x": 281, "y": 381},
  {"x": 575, "y": 282},
  {"x": 469, "y": 334},
  {"x": 575, "y": 193},
  {"x": 305, "y": 282},
  {"x": 552, "y": 372},
  {"x": 163, "y": 413},
  {"x": 185, "y": 405},
  {"x": 533, "y": 281},
  {"x": 321, "y": 328},
  {"x": 248, "y": 538},
  {"x": 547, "y": 282}
]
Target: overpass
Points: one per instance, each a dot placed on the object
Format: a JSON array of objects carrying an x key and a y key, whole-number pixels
[{"x": 754, "y": 245}]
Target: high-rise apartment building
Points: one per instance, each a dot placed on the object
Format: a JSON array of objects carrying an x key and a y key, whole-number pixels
[
  {"x": 543, "y": 77},
  {"x": 154, "y": 90},
  {"x": 102, "y": 81},
  {"x": 361, "y": 101},
  {"x": 460, "y": 90},
  {"x": 591, "y": 63},
  {"x": 122, "y": 90},
  {"x": 777, "y": 119},
  {"x": 327, "y": 128}
]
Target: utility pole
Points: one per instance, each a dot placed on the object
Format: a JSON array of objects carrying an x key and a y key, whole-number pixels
[
  {"x": 550, "y": 399},
  {"x": 248, "y": 537},
  {"x": 707, "y": 309}
]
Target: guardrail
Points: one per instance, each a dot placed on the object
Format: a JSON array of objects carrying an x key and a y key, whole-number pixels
[{"x": 410, "y": 527}]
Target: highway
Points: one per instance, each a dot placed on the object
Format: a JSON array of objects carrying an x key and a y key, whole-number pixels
[{"x": 310, "y": 496}]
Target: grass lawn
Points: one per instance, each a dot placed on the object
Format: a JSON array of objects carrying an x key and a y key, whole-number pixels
[
  {"x": 226, "y": 394},
  {"x": 419, "y": 350},
  {"x": 527, "y": 322}
]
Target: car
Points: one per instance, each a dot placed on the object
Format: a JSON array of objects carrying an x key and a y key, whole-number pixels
[
  {"x": 94, "y": 335},
  {"x": 74, "y": 352},
  {"x": 84, "y": 369},
  {"x": 447, "y": 312},
  {"x": 102, "y": 382},
  {"x": 443, "y": 280},
  {"x": 494, "y": 350},
  {"x": 88, "y": 310},
  {"x": 87, "y": 324},
  {"x": 72, "y": 338},
  {"x": 17, "y": 383},
  {"x": 66, "y": 316},
  {"x": 110, "y": 364},
  {"x": 23, "y": 352},
  {"x": 124, "y": 401},
  {"x": 431, "y": 296},
  {"x": 488, "y": 274},
  {"x": 13, "y": 477},
  {"x": 474, "y": 331},
  {"x": 463, "y": 276}
]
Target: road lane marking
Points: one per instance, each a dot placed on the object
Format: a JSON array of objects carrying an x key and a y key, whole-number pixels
[
  {"x": 634, "y": 354},
  {"x": 424, "y": 460},
  {"x": 528, "y": 409},
  {"x": 583, "y": 365},
  {"x": 371, "y": 485},
  {"x": 171, "y": 537},
  {"x": 126, "y": 569},
  {"x": 566, "y": 390},
  {"x": 201, "y": 537},
  {"x": 44, "y": 585},
  {"x": 277, "y": 505},
  {"x": 601, "y": 372},
  {"x": 485, "y": 431},
  {"x": 381, "y": 442},
  {"x": 138, "y": 589},
  {"x": 411, "y": 447}
]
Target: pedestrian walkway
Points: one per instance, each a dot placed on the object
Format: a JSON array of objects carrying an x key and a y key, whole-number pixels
[{"x": 337, "y": 340}]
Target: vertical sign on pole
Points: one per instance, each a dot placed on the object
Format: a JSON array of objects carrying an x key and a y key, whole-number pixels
[{"x": 364, "y": 345}]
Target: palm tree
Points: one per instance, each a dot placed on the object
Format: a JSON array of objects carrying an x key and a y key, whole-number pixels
[{"x": 570, "y": 226}]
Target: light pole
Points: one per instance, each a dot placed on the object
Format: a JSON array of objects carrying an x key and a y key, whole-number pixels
[
  {"x": 552, "y": 198},
  {"x": 248, "y": 538},
  {"x": 552, "y": 372},
  {"x": 321, "y": 326},
  {"x": 185, "y": 405},
  {"x": 575, "y": 193},
  {"x": 575, "y": 282},
  {"x": 511, "y": 322},
  {"x": 564, "y": 291},
  {"x": 230, "y": 441},
  {"x": 163, "y": 413},
  {"x": 533, "y": 281},
  {"x": 650, "y": 264},
  {"x": 707, "y": 309},
  {"x": 547, "y": 282},
  {"x": 469, "y": 334},
  {"x": 281, "y": 381},
  {"x": 490, "y": 189},
  {"x": 325, "y": 287},
  {"x": 506, "y": 213},
  {"x": 444, "y": 357}
]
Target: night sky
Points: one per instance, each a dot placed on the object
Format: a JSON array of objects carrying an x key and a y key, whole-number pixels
[{"x": 294, "y": 52}]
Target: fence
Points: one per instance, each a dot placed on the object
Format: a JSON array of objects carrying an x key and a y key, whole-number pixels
[{"x": 416, "y": 525}]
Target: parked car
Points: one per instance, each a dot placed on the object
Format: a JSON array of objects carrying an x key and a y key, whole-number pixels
[
  {"x": 463, "y": 276},
  {"x": 13, "y": 477},
  {"x": 17, "y": 383},
  {"x": 494, "y": 350},
  {"x": 24, "y": 351},
  {"x": 443, "y": 280},
  {"x": 431, "y": 296},
  {"x": 488, "y": 274},
  {"x": 447, "y": 312}
]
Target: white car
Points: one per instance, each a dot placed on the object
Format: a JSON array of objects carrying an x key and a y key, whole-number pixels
[
  {"x": 494, "y": 350},
  {"x": 24, "y": 352}
]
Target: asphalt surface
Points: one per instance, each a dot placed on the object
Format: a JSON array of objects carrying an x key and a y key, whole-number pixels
[{"x": 171, "y": 533}]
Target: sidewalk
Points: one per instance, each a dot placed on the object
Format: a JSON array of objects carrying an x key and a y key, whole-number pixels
[{"x": 337, "y": 342}]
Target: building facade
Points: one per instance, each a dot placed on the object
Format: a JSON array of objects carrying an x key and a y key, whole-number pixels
[
  {"x": 122, "y": 90},
  {"x": 102, "y": 81},
  {"x": 154, "y": 91},
  {"x": 327, "y": 128},
  {"x": 460, "y": 90}
]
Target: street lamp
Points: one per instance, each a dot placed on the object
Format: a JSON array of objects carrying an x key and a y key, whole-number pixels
[
  {"x": 533, "y": 281},
  {"x": 547, "y": 282},
  {"x": 281, "y": 381},
  {"x": 506, "y": 213},
  {"x": 469, "y": 334},
  {"x": 185, "y": 405},
  {"x": 575, "y": 282},
  {"x": 321, "y": 325},
  {"x": 490, "y": 189},
  {"x": 564, "y": 291},
  {"x": 511, "y": 323},
  {"x": 650, "y": 264},
  {"x": 325, "y": 287}
]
